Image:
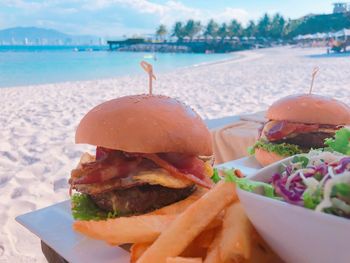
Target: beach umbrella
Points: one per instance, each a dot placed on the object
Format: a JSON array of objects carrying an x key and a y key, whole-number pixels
[
  {"x": 346, "y": 32},
  {"x": 308, "y": 36},
  {"x": 330, "y": 34},
  {"x": 320, "y": 35},
  {"x": 313, "y": 36},
  {"x": 252, "y": 38},
  {"x": 244, "y": 38},
  {"x": 343, "y": 33},
  {"x": 338, "y": 33}
]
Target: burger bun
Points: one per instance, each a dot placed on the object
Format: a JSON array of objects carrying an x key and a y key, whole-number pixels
[
  {"x": 266, "y": 158},
  {"x": 309, "y": 108},
  {"x": 145, "y": 124}
]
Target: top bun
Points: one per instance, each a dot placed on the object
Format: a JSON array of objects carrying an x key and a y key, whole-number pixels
[
  {"x": 310, "y": 108},
  {"x": 145, "y": 124}
]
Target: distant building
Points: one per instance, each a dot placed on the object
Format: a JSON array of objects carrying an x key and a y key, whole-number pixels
[
  {"x": 101, "y": 41},
  {"x": 68, "y": 41},
  {"x": 340, "y": 8}
]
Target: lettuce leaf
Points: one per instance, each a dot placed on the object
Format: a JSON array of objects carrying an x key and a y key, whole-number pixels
[
  {"x": 340, "y": 143},
  {"x": 251, "y": 186},
  {"x": 83, "y": 208},
  {"x": 303, "y": 160},
  {"x": 215, "y": 178},
  {"x": 312, "y": 199},
  {"x": 283, "y": 149}
]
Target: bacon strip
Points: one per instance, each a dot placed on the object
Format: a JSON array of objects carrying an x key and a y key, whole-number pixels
[
  {"x": 282, "y": 129},
  {"x": 203, "y": 181},
  {"x": 113, "y": 166}
]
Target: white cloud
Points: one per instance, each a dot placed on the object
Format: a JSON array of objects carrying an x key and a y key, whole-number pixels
[
  {"x": 229, "y": 13},
  {"x": 142, "y": 6},
  {"x": 104, "y": 17},
  {"x": 173, "y": 10},
  {"x": 28, "y": 5}
]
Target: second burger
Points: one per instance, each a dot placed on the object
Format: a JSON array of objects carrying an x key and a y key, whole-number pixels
[{"x": 297, "y": 124}]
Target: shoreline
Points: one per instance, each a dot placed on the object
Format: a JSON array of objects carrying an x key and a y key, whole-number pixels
[
  {"x": 37, "y": 150},
  {"x": 56, "y": 68},
  {"x": 235, "y": 57}
]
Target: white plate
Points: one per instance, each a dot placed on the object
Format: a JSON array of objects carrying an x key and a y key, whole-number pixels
[{"x": 53, "y": 225}]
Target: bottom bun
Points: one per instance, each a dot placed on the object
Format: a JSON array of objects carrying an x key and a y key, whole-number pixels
[{"x": 266, "y": 158}]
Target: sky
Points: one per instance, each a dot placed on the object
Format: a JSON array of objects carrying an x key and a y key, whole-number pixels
[{"x": 107, "y": 18}]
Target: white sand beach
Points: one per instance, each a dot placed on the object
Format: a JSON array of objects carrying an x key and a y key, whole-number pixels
[{"x": 37, "y": 150}]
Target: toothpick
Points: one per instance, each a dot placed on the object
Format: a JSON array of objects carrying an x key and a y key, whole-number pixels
[
  {"x": 314, "y": 73},
  {"x": 149, "y": 69}
]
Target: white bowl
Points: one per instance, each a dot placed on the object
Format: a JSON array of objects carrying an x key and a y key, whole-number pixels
[{"x": 297, "y": 234}]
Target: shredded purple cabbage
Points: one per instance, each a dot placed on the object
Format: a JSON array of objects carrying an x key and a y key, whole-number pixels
[
  {"x": 293, "y": 193},
  {"x": 344, "y": 164},
  {"x": 293, "y": 196}
]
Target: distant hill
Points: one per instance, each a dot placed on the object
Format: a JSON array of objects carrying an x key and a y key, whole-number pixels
[
  {"x": 43, "y": 36},
  {"x": 320, "y": 23}
]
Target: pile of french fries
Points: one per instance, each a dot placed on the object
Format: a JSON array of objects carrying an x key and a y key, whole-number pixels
[{"x": 209, "y": 226}]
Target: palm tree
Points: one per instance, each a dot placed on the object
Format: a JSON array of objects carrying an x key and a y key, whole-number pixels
[
  {"x": 222, "y": 31},
  {"x": 290, "y": 29},
  {"x": 264, "y": 26},
  {"x": 161, "y": 32},
  {"x": 192, "y": 28},
  {"x": 250, "y": 30},
  {"x": 235, "y": 29},
  {"x": 277, "y": 26},
  {"x": 179, "y": 31},
  {"x": 211, "y": 29}
]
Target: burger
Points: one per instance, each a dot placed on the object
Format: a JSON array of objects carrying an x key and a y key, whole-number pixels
[
  {"x": 297, "y": 124},
  {"x": 151, "y": 151}
]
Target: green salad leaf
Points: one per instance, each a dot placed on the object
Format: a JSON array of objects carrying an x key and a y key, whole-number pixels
[
  {"x": 216, "y": 178},
  {"x": 303, "y": 160},
  {"x": 312, "y": 199},
  {"x": 283, "y": 149},
  {"x": 341, "y": 190},
  {"x": 340, "y": 143},
  {"x": 249, "y": 185},
  {"x": 83, "y": 208}
]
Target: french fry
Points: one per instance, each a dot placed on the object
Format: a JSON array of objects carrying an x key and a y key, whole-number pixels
[
  {"x": 205, "y": 238},
  {"x": 194, "y": 250},
  {"x": 236, "y": 239},
  {"x": 213, "y": 254},
  {"x": 183, "y": 260},
  {"x": 137, "y": 250},
  {"x": 134, "y": 229},
  {"x": 179, "y": 207},
  {"x": 187, "y": 226},
  {"x": 261, "y": 252},
  {"x": 198, "y": 247}
]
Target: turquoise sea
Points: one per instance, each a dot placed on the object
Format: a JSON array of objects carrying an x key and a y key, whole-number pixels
[{"x": 29, "y": 65}]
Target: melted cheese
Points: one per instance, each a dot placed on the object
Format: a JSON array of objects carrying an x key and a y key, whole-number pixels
[
  {"x": 208, "y": 169},
  {"x": 161, "y": 177}
]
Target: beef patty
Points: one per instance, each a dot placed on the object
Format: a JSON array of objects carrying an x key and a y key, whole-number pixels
[
  {"x": 140, "y": 199},
  {"x": 308, "y": 140}
]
